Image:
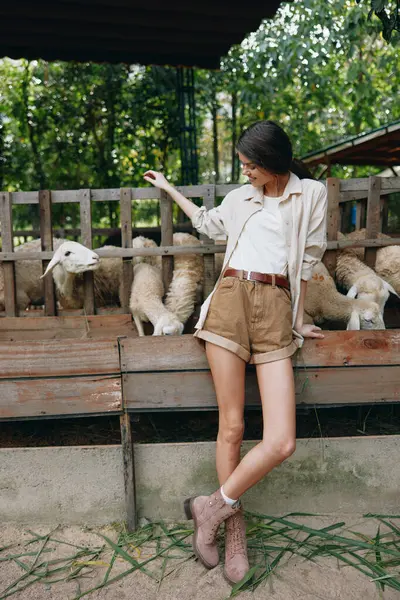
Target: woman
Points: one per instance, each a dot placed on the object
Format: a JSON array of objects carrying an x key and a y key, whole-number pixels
[{"x": 276, "y": 230}]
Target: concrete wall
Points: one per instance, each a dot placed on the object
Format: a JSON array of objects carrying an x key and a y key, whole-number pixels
[{"x": 84, "y": 485}]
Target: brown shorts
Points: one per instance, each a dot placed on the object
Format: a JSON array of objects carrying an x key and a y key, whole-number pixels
[{"x": 251, "y": 319}]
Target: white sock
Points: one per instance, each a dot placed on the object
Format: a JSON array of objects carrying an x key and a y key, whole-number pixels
[{"x": 227, "y": 500}]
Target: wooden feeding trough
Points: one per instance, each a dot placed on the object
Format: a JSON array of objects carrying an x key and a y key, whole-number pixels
[{"x": 91, "y": 362}]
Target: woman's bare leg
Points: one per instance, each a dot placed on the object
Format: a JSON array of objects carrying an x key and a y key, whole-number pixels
[
  {"x": 276, "y": 384},
  {"x": 228, "y": 372}
]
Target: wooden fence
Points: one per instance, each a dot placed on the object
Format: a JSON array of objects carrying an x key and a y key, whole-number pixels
[{"x": 370, "y": 196}]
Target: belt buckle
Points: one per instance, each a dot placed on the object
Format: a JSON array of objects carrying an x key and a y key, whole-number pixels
[{"x": 248, "y": 276}]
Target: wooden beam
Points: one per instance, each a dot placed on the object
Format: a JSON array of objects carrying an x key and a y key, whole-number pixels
[
  {"x": 373, "y": 217},
  {"x": 194, "y": 390},
  {"x": 166, "y": 238},
  {"x": 10, "y": 299},
  {"x": 128, "y": 462},
  {"x": 126, "y": 242},
  {"x": 46, "y": 237},
  {"x": 209, "y": 259},
  {"x": 333, "y": 189},
  {"x": 85, "y": 206},
  {"x": 50, "y": 397},
  {"x": 337, "y": 349},
  {"x": 58, "y": 357}
]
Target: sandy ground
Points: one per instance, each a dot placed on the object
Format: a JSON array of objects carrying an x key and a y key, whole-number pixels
[{"x": 295, "y": 579}]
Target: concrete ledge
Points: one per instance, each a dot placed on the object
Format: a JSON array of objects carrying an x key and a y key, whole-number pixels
[{"x": 84, "y": 485}]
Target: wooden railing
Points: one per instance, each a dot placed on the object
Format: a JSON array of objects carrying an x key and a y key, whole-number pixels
[{"x": 370, "y": 195}]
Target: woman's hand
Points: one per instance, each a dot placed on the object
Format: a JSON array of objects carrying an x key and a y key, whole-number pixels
[
  {"x": 157, "y": 179},
  {"x": 310, "y": 331}
]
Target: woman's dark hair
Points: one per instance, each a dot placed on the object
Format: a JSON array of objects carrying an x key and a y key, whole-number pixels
[{"x": 269, "y": 147}]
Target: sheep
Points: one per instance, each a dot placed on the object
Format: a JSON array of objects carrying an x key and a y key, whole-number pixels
[
  {"x": 324, "y": 302},
  {"x": 67, "y": 266},
  {"x": 29, "y": 288},
  {"x": 387, "y": 264},
  {"x": 187, "y": 275},
  {"x": 146, "y": 301},
  {"x": 361, "y": 281}
]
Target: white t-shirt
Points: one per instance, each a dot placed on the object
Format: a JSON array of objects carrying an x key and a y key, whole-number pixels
[{"x": 261, "y": 245}]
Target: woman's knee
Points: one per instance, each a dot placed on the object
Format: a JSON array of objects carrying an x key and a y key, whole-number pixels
[
  {"x": 281, "y": 447},
  {"x": 231, "y": 431}
]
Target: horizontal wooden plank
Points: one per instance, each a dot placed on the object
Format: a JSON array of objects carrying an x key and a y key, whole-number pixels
[
  {"x": 56, "y": 397},
  {"x": 177, "y": 250},
  {"x": 194, "y": 389},
  {"x": 82, "y": 327},
  {"x": 130, "y": 252},
  {"x": 58, "y": 358},
  {"x": 347, "y": 187},
  {"x": 338, "y": 348},
  {"x": 388, "y": 183}
]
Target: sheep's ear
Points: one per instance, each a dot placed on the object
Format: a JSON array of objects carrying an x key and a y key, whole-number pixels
[
  {"x": 353, "y": 291},
  {"x": 354, "y": 322},
  {"x": 54, "y": 261},
  {"x": 390, "y": 288}
]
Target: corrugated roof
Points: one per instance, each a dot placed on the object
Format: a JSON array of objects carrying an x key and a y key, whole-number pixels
[
  {"x": 174, "y": 32},
  {"x": 379, "y": 146}
]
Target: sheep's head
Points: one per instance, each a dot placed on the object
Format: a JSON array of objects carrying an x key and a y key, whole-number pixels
[
  {"x": 372, "y": 289},
  {"x": 366, "y": 315},
  {"x": 142, "y": 242},
  {"x": 168, "y": 325},
  {"x": 74, "y": 258}
]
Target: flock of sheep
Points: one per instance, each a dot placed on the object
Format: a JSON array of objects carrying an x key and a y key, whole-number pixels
[{"x": 361, "y": 308}]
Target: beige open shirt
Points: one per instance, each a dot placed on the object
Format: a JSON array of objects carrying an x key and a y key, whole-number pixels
[{"x": 303, "y": 208}]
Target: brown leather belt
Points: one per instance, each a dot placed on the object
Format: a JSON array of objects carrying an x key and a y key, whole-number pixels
[{"x": 273, "y": 279}]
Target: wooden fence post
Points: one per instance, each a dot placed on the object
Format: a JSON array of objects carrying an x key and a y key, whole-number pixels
[
  {"x": 8, "y": 246},
  {"x": 86, "y": 239},
  {"x": 126, "y": 242},
  {"x": 333, "y": 189},
  {"x": 209, "y": 259},
  {"x": 166, "y": 237},
  {"x": 46, "y": 237},
  {"x": 373, "y": 217}
]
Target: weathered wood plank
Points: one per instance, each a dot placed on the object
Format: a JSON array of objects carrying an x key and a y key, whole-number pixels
[
  {"x": 127, "y": 252},
  {"x": 81, "y": 327},
  {"x": 39, "y": 359},
  {"x": 129, "y": 470},
  {"x": 193, "y": 390},
  {"x": 126, "y": 242},
  {"x": 10, "y": 299},
  {"x": 373, "y": 217},
  {"x": 56, "y": 397},
  {"x": 338, "y": 348},
  {"x": 46, "y": 237},
  {"x": 332, "y": 221},
  {"x": 361, "y": 212},
  {"x": 86, "y": 238},
  {"x": 174, "y": 250},
  {"x": 388, "y": 183},
  {"x": 166, "y": 237},
  {"x": 209, "y": 259}
]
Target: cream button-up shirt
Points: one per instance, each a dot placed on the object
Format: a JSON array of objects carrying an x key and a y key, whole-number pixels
[{"x": 303, "y": 207}]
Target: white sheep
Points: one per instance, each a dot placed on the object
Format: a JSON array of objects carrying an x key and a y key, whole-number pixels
[
  {"x": 361, "y": 281},
  {"x": 188, "y": 274},
  {"x": 29, "y": 287},
  {"x": 146, "y": 302},
  {"x": 387, "y": 264},
  {"x": 68, "y": 264},
  {"x": 324, "y": 302}
]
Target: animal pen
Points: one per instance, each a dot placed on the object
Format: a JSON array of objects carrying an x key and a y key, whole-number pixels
[{"x": 92, "y": 362}]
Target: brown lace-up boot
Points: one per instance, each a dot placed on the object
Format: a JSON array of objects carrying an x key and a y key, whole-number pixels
[
  {"x": 208, "y": 512},
  {"x": 236, "y": 562}
]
